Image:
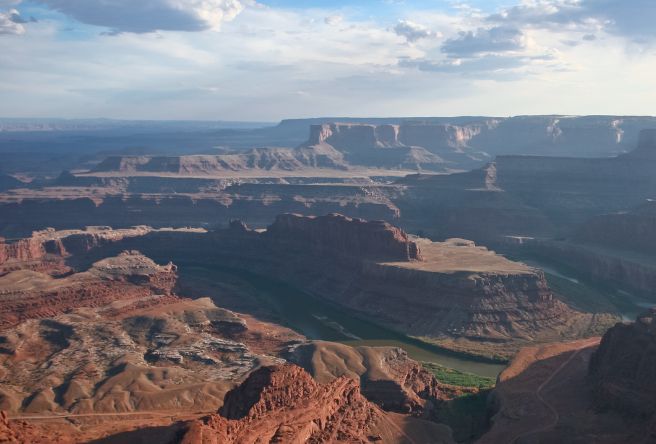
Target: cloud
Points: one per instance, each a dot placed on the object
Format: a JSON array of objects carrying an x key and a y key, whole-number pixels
[
  {"x": 413, "y": 31},
  {"x": 633, "y": 19},
  {"x": 149, "y": 15},
  {"x": 482, "y": 65},
  {"x": 11, "y": 23},
  {"x": 333, "y": 19},
  {"x": 492, "y": 40}
]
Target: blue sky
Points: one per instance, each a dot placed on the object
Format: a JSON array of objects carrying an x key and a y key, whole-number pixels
[{"x": 273, "y": 59}]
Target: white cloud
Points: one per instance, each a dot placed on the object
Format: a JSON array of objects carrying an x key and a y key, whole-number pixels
[
  {"x": 633, "y": 19},
  {"x": 413, "y": 31},
  {"x": 11, "y": 23},
  {"x": 271, "y": 63},
  {"x": 149, "y": 15},
  {"x": 332, "y": 20}
]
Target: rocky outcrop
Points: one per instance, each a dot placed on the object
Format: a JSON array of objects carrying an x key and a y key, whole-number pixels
[
  {"x": 27, "y": 294},
  {"x": 259, "y": 204},
  {"x": 284, "y": 404},
  {"x": 537, "y": 196},
  {"x": 153, "y": 353},
  {"x": 388, "y": 377},
  {"x": 579, "y": 391},
  {"x": 459, "y": 295},
  {"x": 21, "y": 432},
  {"x": 454, "y": 293},
  {"x": 266, "y": 159},
  {"x": 339, "y": 235},
  {"x": 414, "y": 146},
  {"x": 623, "y": 369},
  {"x": 23, "y": 250}
]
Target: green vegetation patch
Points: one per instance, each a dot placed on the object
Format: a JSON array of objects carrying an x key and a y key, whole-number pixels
[{"x": 451, "y": 376}]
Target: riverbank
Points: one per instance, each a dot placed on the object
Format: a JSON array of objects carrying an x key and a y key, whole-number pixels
[{"x": 316, "y": 318}]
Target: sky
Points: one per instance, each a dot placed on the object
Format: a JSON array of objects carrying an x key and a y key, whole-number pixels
[{"x": 265, "y": 60}]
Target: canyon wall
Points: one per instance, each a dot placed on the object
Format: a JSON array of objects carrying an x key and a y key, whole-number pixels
[
  {"x": 338, "y": 235},
  {"x": 529, "y": 195},
  {"x": 633, "y": 230},
  {"x": 27, "y": 294},
  {"x": 415, "y": 146},
  {"x": 623, "y": 369},
  {"x": 632, "y": 271},
  {"x": 266, "y": 159},
  {"x": 284, "y": 404},
  {"x": 454, "y": 293},
  {"x": 258, "y": 204}
]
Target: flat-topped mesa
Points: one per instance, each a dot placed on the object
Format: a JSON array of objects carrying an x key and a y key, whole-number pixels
[
  {"x": 623, "y": 369},
  {"x": 339, "y": 235},
  {"x": 360, "y": 135},
  {"x": 363, "y": 136}
]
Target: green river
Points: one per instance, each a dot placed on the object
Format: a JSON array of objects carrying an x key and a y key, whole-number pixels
[{"x": 321, "y": 320}]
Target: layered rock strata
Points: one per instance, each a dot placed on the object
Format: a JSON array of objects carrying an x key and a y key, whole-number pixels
[
  {"x": 535, "y": 196},
  {"x": 454, "y": 293},
  {"x": 386, "y": 375},
  {"x": 259, "y": 204},
  {"x": 27, "y": 294},
  {"x": 284, "y": 404}
]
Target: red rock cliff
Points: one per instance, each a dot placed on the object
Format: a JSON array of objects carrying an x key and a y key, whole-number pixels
[
  {"x": 342, "y": 236},
  {"x": 283, "y": 404}
]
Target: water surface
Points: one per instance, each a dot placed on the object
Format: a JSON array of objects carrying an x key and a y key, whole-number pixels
[{"x": 321, "y": 320}]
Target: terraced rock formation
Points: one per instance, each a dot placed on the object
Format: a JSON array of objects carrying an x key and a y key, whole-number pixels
[
  {"x": 536, "y": 196},
  {"x": 179, "y": 203},
  {"x": 456, "y": 294},
  {"x": 27, "y": 294},
  {"x": 284, "y": 404},
  {"x": 386, "y": 375}
]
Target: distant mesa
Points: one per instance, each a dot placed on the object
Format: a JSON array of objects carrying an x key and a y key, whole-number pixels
[
  {"x": 266, "y": 159},
  {"x": 433, "y": 147}
]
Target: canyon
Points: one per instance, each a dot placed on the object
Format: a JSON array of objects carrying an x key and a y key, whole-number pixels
[
  {"x": 116, "y": 341},
  {"x": 456, "y": 295},
  {"x": 328, "y": 280}
]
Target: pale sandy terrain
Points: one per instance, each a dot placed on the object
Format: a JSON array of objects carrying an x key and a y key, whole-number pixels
[{"x": 456, "y": 255}]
